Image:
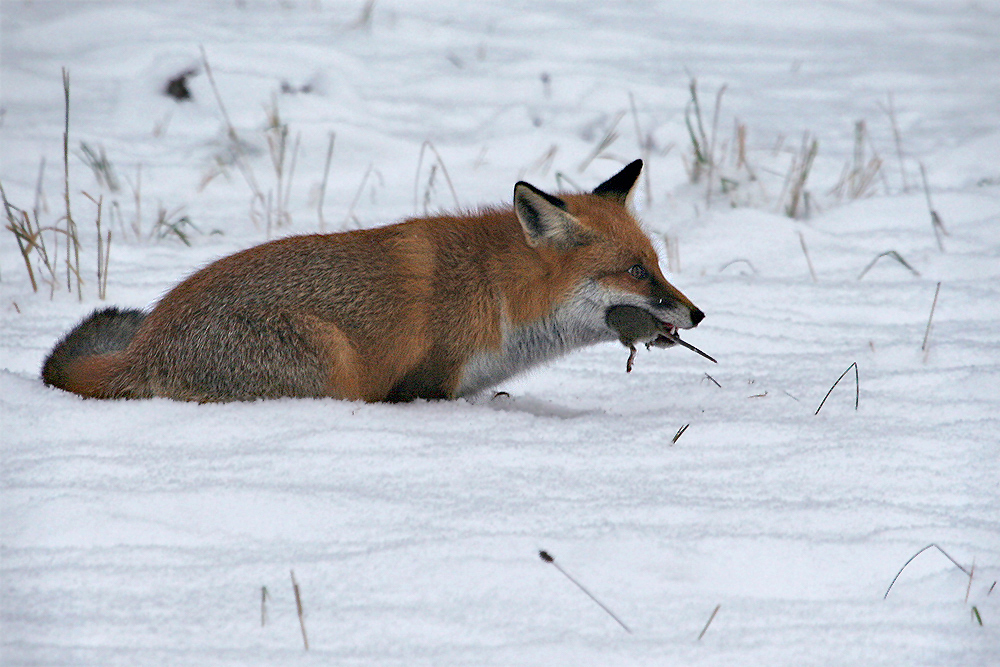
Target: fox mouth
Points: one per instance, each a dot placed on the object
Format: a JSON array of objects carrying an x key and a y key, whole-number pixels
[{"x": 666, "y": 337}]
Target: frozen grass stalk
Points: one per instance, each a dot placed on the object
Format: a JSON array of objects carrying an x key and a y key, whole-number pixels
[
  {"x": 357, "y": 197},
  {"x": 890, "y": 111},
  {"x": 98, "y": 162},
  {"x": 277, "y": 144},
  {"x": 544, "y": 162},
  {"x": 610, "y": 137},
  {"x": 710, "y": 619},
  {"x": 699, "y": 142},
  {"x": 257, "y": 195},
  {"x": 364, "y": 20},
  {"x": 21, "y": 228},
  {"x": 798, "y": 174},
  {"x": 72, "y": 236},
  {"x": 805, "y": 251},
  {"x": 930, "y": 318},
  {"x": 561, "y": 177},
  {"x": 858, "y": 178},
  {"x": 298, "y": 607},
  {"x": 427, "y": 145},
  {"x": 711, "y": 146},
  {"x": 857, "y": 388},
  {"x": 103, "y": 250},
  {"x": 544, "y": 555},
  {"x": 936, "y": 223},
  {"x": 322, "y": 187},
  {"x": 892, "y": 254},
  {"x": 911, "y": 559},
  {"x": 645, "y": 142}
]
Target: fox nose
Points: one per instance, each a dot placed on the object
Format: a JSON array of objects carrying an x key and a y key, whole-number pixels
[{"x": 696, "y": 317}]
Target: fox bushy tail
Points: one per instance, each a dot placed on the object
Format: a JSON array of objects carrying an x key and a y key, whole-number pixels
[{"x": 92, "y": 342}]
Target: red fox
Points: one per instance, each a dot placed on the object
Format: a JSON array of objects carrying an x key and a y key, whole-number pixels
[{"x": 434, "y": 308}]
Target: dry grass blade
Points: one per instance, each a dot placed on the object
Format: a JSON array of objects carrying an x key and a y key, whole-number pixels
[
  {"x": 240, "y": 155},
  {"x": 893, "y": 255},
  {"x": 357, "y": 195},
  {"x": 798, "y": 174},
  {"x": 364, "y": 19},
  {"x": 298, "y": 606},
  {"x": 562, "y": 177},
  {"x": 28, "y": 238},
  {"x": 680, "y": 432},
  {"x": 710, "y": 619},
  {"x": 645, "y": 142},
  {"x": 805, "y": 251},
  {"x": 103, "y": 250},
  {"x": 544, "y": 162},
  {"x": 858, "y": 178},
  {"x": 610, "y": 137},
  {"x": 857, "y": 388},
  {"x": 927, "y": 331},
  {"x": 890, "y": 111},
  {"x": 911, "y": 559},
  {"x": 546, "y": 557},
  {"x": 430, "y": 179},
  {"x": 936, "y": 223},
  {"x": 673, "y": 247},
  {"x": 749, "y": 264},
  {"x": 99, "y": 163},
  {"x": 699, "y": 142},
  {"x": 322, "y": 187},
  {"x": 263, "y": 606},
  {"x": 711, "y": 146},
  {"x": 72, "y": 236}
]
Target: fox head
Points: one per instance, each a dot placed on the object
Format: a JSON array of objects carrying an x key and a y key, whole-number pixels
[{"x": 594, "y": 248}]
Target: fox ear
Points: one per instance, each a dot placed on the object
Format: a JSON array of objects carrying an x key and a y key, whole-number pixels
[
  {"x": 619, "y": 188},
  {"x": 544, "y": 218}
]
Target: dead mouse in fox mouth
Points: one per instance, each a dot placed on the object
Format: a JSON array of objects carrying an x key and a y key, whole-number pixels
[
  {"x": 633, "y": 325},
  {"x": 636, "y": 325}
]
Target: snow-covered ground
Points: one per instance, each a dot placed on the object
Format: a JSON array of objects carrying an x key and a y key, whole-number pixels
[{"x": 143, "y": 533}]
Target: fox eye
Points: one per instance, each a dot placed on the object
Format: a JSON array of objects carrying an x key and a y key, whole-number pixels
[{"x": 638, "y": 272}]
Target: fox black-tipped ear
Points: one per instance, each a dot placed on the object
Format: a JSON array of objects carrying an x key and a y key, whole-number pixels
[
  {"x": 619, "y": 188},
  {"x": 544, "y": 218}
]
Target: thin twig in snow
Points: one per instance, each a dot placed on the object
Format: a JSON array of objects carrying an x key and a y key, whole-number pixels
[
  {"x": 936, "y": 223},
  {"x": 298, "y": 606},
  {"x": 930, "y": 319},
  {"x": 805, "y": 251},
  {"x": 544, "y": 555},
  {"x": 710, "y": 619}
]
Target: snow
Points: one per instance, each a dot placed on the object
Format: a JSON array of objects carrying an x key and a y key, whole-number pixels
[{"x": 143, "y": 532}]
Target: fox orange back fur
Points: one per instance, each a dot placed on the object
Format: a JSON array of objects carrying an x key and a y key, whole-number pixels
[{"x": 436, "y": 307}]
